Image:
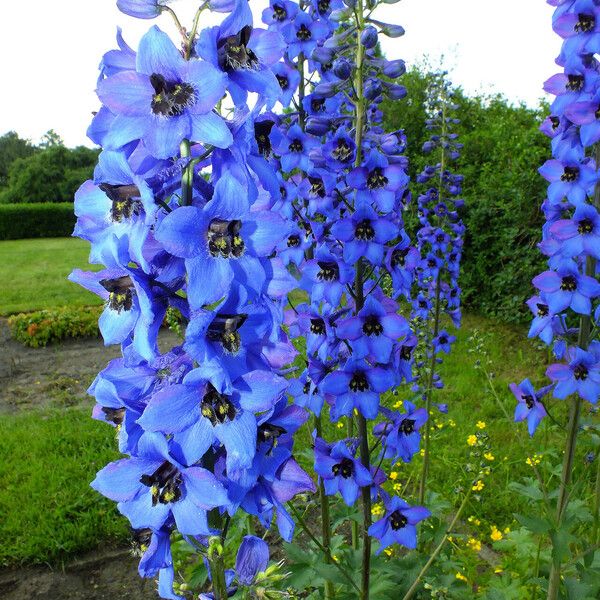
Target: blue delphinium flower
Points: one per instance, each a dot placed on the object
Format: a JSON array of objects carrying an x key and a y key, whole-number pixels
[
  {"x": 581, "y": 375},
  {"x": 398, "y": 524},
  {"x": 529, "y": 406},
  {"x": 165, "y": 100},
  {"x": 340, "y": 470}
]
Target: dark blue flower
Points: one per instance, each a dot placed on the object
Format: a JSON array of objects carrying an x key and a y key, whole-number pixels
[
  {"x": 398, "y": 524},
  {"x": 528, "y": 404},
  {"x": 340, "y": 470}
]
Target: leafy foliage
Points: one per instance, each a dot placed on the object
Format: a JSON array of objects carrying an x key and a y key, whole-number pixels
[
  {"x": 49, "y": 175},
  {"x": 502, "y": 192},
  {"x": 12, "y": 147},
  {"x": 20, "y": 221},
  {"x": 47, "y": 326}
]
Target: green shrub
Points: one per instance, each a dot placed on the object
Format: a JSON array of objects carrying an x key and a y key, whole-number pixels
[
  {"x": 47, "y": 326},
  {"x": 502, "y": 191},
  {"x": 50, "y": 175},
  {"x": 21, "y": 221}
]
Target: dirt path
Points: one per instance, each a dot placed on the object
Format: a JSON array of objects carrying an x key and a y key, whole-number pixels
[
  {"x": 98, "y": 576},
  {"x": 57, "y": 375}
]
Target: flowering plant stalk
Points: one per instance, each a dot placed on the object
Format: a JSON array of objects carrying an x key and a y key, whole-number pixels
[
  {"x": 567, "y": 292},
  {"x": 440, "y": 240}
]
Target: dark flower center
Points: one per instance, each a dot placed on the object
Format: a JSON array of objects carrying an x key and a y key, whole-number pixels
[
  {"x": 164, "y": 484},
  {"x": 407, "y": 426},
  {"x": 114, "y": 415},
  {"x": 397, "y": 520},
  {"x": 585, "y": 23},
  {"x": 597, "y": 113},
  {"x": 170, "y": 99},
  {"x": 443, "y": 339},
  {"x": 568, "y": 284},
  {"x": 376, "y": 179},
  {"x": 344, "y": 468},
  {"x": 303, "y": 34},
  {"x": 372, "y": 326},
  {"x": 317, "y": 326},
  {"x": 296, "y": 146},
  {"x": 323, "y": 6},
  {"x": 359, "y": 382},
  {"x": 279, "y": 12},
  {"x": 317, "y": 105},
  {"x": 555, "y": 122},
  {"x": 234, "y": 54},
  {"x": 270, "y": 433},
  {"x": 542, "y": 310},
  {"x": 224, "y": 238},
  {"x": 575, "y": 83},
  {"x": 364, "y": 230},
  {"x": 317, "y": 187},
  {"x": 570, "y": 174},
  {"x": 330, "y": 271},
  {"x": 125, "y": 200},
  {"x": 216, "y": 407},
  {"x": 529, "y": 400},
  {"x": 398, "y": 257},
  {"x": 580, "y": 372},
  {"x": 342, "y": 151},
  {"x": 141, "y": 539},
  {"x": 585, "y": 226},
  {"x": 306, "y": 388},
  {"x": 224, "y": 329},
  {"x": 262, "y": 130},
  {"x": 284, "y": 82},
  {"x": 120, "y": 290},
  {"x": 293, "y": 241},
  {"x": 406, "y": 352}
]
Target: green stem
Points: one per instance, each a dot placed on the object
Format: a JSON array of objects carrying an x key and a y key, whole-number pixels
[
  {"x": 190, "y": 38},
  {"x": 301, "y": 91},
  {"x": 359, "y": 126},
  {"x": 325, "y": 519},
  {"x": 313, "y": 537},
  {"x": 353, "y": 524},
  {"x": 569, "y": 454},
  {"x": 366, "y": 502},
  {"x": 596, "y": 530},
  {"x": 429, "y": 394},
  {"x": 413, "y": 588},
  {"x": 217, "y": 568},
  {"x": 187, "y": 177}
]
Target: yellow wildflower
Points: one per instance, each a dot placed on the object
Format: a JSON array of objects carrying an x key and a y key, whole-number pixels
[
  {"x": 377, "y": 510},
  {"x": 480, "y": 424},
  {"x": 534, "y": 460},
  {"x": 474, "y": 544},
  {"x": 461, "y": 577},
  {"x": 478, "y": 486},
  {"x": 488, "y": 456},
  {"x": 472, "y": 440},
  {"x": 394, "y": 475},
  {"x": 397, "y": 487},
  {"x": 399, "y": 404},
  {"x": 452, "y": 423},
  {"x": 340, "y": 425},
  {"x": 496, "y": 534}
]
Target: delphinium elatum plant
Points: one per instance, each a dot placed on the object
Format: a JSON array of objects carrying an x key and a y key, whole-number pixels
[{"x": 247, "y": 186}]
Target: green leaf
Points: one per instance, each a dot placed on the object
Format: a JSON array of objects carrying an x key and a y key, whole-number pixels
[{"x": 534, "y": 524}]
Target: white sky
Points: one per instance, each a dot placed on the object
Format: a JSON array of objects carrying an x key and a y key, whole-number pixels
[{"x": 50, "y": 50}]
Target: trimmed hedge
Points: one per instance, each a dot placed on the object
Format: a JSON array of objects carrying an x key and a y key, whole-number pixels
[
  {"x": 48, "y": 326},
  {"x": 21, "y": 221}
]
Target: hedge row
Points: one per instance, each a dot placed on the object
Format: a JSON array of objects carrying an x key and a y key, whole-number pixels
[
  {"x": 45, "y": 327},
  {"x": 20, "y": 221}
]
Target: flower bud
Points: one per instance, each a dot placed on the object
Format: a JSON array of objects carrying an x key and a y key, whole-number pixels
[
  {"x": 393, "y": 31},
  {"x": 342, "y": 68},
  {"x": 322, "y": 55},
  {"x": 394, "y": 68},
  {"x": 368, "y": 37},
  {"x": 372, "y": 89},
  {"x": 317, "y": 126}
]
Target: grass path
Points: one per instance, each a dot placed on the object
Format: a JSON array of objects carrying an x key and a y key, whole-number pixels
[{"x": 34, "y": 274}]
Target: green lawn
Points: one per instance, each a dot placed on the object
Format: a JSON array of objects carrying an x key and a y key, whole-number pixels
[
  {"x": 49, "y": 512},
  {"x": 34, "y": 274}
]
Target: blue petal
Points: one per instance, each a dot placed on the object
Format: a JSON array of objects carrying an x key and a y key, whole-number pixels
[
  {"x": 157, "y": 54},
  {"x": 252, "y": 559},
  {"x": 171, "y": 409},
  {"x": 210, "y": 128},
  {"x": 239, "y": 438}
]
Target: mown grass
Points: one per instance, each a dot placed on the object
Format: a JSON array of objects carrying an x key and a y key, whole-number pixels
[
  {"x": 34, "y": 274},
  {"x": 49, "y": 512}
]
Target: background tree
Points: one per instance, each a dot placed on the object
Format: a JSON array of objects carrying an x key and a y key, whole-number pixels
[{"x": 11, "y": 148}]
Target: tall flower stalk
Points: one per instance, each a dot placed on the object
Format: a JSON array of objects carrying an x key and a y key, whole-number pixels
[
  {"x": 569, "y": 288},
  {"x": 440, "y": 240}
]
